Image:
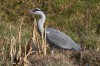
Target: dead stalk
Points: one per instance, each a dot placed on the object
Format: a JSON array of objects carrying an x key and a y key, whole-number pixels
[
  {"x": 14, "y": 45},
  {"x": 34, "y": 32},
  {"x": 19, "y": 39},
  {"x": 25, "y": 48},
  {"x": 26, "y": 62},
  {"x": 35, "y": 36},
  {"x": 45, "y": 46},
  {"x": 12, "y": 49}
]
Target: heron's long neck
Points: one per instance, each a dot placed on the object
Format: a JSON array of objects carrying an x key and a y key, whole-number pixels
[{"x": 41, "y": 23}]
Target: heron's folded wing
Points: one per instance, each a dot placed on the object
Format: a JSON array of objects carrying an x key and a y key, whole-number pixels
[{"x": 59, "y": 39}]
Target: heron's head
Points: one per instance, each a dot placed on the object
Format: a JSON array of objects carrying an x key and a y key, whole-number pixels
[{"x": 36, "y": 11}]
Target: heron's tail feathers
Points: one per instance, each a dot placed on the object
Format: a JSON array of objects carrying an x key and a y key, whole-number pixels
[{"x": 76, "y": 47}]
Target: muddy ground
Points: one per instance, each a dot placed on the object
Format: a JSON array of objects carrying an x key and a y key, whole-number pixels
[{"x": 66, "y": 58}]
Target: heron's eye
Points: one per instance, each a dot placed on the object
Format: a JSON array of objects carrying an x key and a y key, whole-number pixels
[{"x": 33, "y": 10}]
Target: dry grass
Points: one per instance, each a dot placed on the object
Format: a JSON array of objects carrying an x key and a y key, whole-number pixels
[
  {"x": 18, "y": 31},
  {"x": 19, "y": 55},
  {"x": 68, "y": 58}
]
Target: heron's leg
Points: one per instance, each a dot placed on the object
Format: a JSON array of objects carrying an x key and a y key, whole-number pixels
[{"x": 52, "y": 50}]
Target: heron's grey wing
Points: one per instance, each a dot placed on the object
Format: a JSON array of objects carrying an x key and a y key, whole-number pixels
[{"x": 57, "y": 38}]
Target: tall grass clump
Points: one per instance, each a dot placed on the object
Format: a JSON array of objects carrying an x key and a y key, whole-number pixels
[{"x": 79, "y": 19}]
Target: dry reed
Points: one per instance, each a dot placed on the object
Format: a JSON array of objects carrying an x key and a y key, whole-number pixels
[
  {"x": 12, "y": 49},
  {"x": 19, "y": 39}
]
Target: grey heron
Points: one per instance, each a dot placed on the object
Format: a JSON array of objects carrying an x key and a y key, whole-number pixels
[{"x": 54, "y": 37}]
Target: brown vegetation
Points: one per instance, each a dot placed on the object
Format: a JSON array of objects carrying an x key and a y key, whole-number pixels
[{"x": 79, "y": 19}]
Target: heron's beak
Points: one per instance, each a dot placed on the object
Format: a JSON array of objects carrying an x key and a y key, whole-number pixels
[{"x": 30, "y": 11}]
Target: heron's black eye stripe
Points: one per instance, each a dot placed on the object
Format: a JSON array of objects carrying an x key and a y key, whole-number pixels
[{"x": 36, "y": 10}]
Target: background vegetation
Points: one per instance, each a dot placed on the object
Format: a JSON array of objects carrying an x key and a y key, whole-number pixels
[{"x": 79, "y": 19}]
